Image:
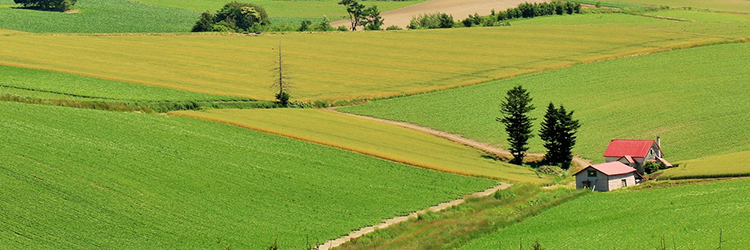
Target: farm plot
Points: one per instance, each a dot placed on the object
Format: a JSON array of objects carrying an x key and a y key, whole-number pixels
[
  {"x": 729, "y": 165},
  {"x": 310, "y": 9},
  {"x": 336, "y": 66},
  {"x": 737, "y": 6},
  {"x": 74, "y": 178},
  {"x": 684, "y": 217},
  {"x": 99, "y": 16},
  {"x": 371, "y": 138},
  {"x": 695, "y": 99}
]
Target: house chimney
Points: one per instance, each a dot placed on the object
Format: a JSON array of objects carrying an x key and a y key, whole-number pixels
[{"x": 658, "y": 141}]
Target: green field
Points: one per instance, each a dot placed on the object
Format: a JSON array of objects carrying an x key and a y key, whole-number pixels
[
  {"x": 335, "y": 66},
  {"x": 99, "y": 16},
  {"x": 372, "y": 138},
  {"x": 695, "y": 99},
  {"x": 689, "y": 217},
  {"x": 736, "y": 6},
  {"x": 75, "y": 178},
  {"x": 286, "y": 8},
  {"x": 729, "y": 165}
]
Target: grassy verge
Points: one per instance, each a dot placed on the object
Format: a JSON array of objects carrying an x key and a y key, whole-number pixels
[
  {"x": 685, "y": 217},
  {"x": 474, "y": 219},
  {"x": 372, "y": 138},
  {"x": 76, "y": 178},
  {"x": 685, "y": 96}
]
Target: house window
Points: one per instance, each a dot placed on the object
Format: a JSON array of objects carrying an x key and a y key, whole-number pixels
[
  {"x": 624, "y": 182},
  {"x": 586, "y": 184},
  {"x": 592, "y": 173}
]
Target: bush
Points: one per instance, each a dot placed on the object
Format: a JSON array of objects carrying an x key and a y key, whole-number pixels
[
  {"x": 234, "y": 17},
  {"x": 342, "y": 28},
  {"x": 432, "y": 21},
  {"x": 324, "y": 25},
  {"x": 651, "y": 167},
  {"x": 305, "y": 25},
  {"x": 393, "y": 27},
  {"x": 56, "y": 5}
]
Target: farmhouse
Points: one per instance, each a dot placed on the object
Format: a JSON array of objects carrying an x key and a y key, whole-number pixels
[
  {"x": 635, "y": 153},
  {"x": 607, "y": 176}
]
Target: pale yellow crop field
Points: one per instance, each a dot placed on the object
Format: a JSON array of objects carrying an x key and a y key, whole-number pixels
[
  {"x": 370, "y": 137},
  {"x": 728, "y": 165},
  {"x": 337, "y": 66}
]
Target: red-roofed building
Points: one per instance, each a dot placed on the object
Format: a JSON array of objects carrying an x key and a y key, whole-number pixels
[
  {"x": 607, "y": 176},
  {"x": 635, "y": 153}
]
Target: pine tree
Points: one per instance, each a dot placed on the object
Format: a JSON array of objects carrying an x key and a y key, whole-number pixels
[
  {"x": 548, "y": 133},
  {"x": 515, "y": 109},
  {"x": 281, "y": 82},
  {"x": 568, "y": 127}
]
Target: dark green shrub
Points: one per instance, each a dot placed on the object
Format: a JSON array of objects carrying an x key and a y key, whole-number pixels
[
  {"x": 305, "y": 25},
  {"x": 283, "y": 98},
  {"x": 324, "y": 25},
  {"x": 651, "y": 167},
  {"x": 342, "y": 28},
  {"x": 432, "y": 21},
  {"x": 205, "y": 23},
  {"x": 234, "y": 17},
  {"x": 393, "y": 27},
  {"x": 56, "y": 5}
]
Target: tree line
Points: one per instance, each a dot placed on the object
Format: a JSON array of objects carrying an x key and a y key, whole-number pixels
[
  {"x": 558, "y": 128},
  {"x": 55, "y": 5},
  {"x": 496, "y": 18}
]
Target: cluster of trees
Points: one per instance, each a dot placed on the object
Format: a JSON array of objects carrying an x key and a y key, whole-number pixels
[
  {"x": 323, "y": 25},
  {"x": 558, "y": 128},
  {"x": 234, "y": 17},
  {"x": 56, "y": 5},
  {"x": 432, "y": 21},
  {"x": 359, "y": 15},
  {"x": 524, "y": 10}
]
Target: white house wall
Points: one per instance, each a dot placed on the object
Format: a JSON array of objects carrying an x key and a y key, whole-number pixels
[{"x": 615, "y": 182}]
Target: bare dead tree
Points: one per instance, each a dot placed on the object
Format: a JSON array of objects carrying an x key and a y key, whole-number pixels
[{"x": 281, "y": 81}]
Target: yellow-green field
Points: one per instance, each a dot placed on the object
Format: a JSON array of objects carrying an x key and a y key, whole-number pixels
[
  {"x": 342, "y": 66},
  {"x": 741, "y": 6},
  {"x": 728, "y": 165},
  {"x": 372, "y": 138}
]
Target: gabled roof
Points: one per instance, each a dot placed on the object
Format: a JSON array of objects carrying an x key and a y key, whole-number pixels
[
  {"x": 632, "y": 148},
  {"x": 628, "y": 158},
  {"x": 611, "y": 168}
]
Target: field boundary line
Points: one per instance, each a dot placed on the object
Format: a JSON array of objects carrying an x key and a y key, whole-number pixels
[
  {"x": 485, "y": 147},
  {"x": 396, "y": 220}
]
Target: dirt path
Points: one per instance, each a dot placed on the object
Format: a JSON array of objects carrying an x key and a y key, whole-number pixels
[
  {"x": 460, "y": 9},
  {"x": 486, "y": 147},
  {"x": 392, "y": 221}
]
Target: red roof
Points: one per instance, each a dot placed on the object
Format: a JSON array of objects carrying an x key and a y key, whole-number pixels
[
  {"x": 630, "y": 159},
  {"x": 665, "y": 162},
  {"x": 611, "y": 168},
  {"x": 633, "y": 148}
]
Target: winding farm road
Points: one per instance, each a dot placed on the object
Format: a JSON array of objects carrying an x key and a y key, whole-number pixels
[
  {"x": 393, "y": 221},
  {"x": 486, "y": 147},
  {"x": 460, "y": 9}
]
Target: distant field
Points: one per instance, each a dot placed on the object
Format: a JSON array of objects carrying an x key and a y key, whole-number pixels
[
  {"x": 335, "y": 66},
  {"x": 99, "y": 16},
  {"x": 75, "y": 178},
  {"x": 689, "y": 216},
  {"x": 372, "y": 138},
  {"x": 742, "y": 6},
  {"x": 729, "y": 165},
  {"x": 695, "y": 99},
  {"x": 285, "y": 8}
]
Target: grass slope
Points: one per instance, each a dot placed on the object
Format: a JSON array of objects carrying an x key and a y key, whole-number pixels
[
  {"x": 738, "y": 6},
  {"x": 99, "y": 16},
  {"x": 695, "y": 99},
  {"x": 690, "y": 216},
  {"x": 728, "y": 165},
  {"x": 75, "y": 178},
  {"x": 372, "y": 138},
  {"x": 336, "y": 66}
]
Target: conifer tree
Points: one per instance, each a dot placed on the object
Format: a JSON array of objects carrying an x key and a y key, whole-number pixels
[{"x": 515, "y": 109}]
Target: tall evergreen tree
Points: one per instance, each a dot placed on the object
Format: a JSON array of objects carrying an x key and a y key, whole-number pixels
[
  {"x": 515, "y": 109},
  {"x": 567, "y": 136},
  {"x": 558, "y": 132},
  {"x": 548, "y": 134}
]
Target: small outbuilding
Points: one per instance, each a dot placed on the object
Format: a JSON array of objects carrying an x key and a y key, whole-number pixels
[{"x": 607, "y": 176}]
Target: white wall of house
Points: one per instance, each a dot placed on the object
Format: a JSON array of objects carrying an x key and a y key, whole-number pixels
[
  {"x": 616, "y": 181},
  {"x": 602, "y": 182}
]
